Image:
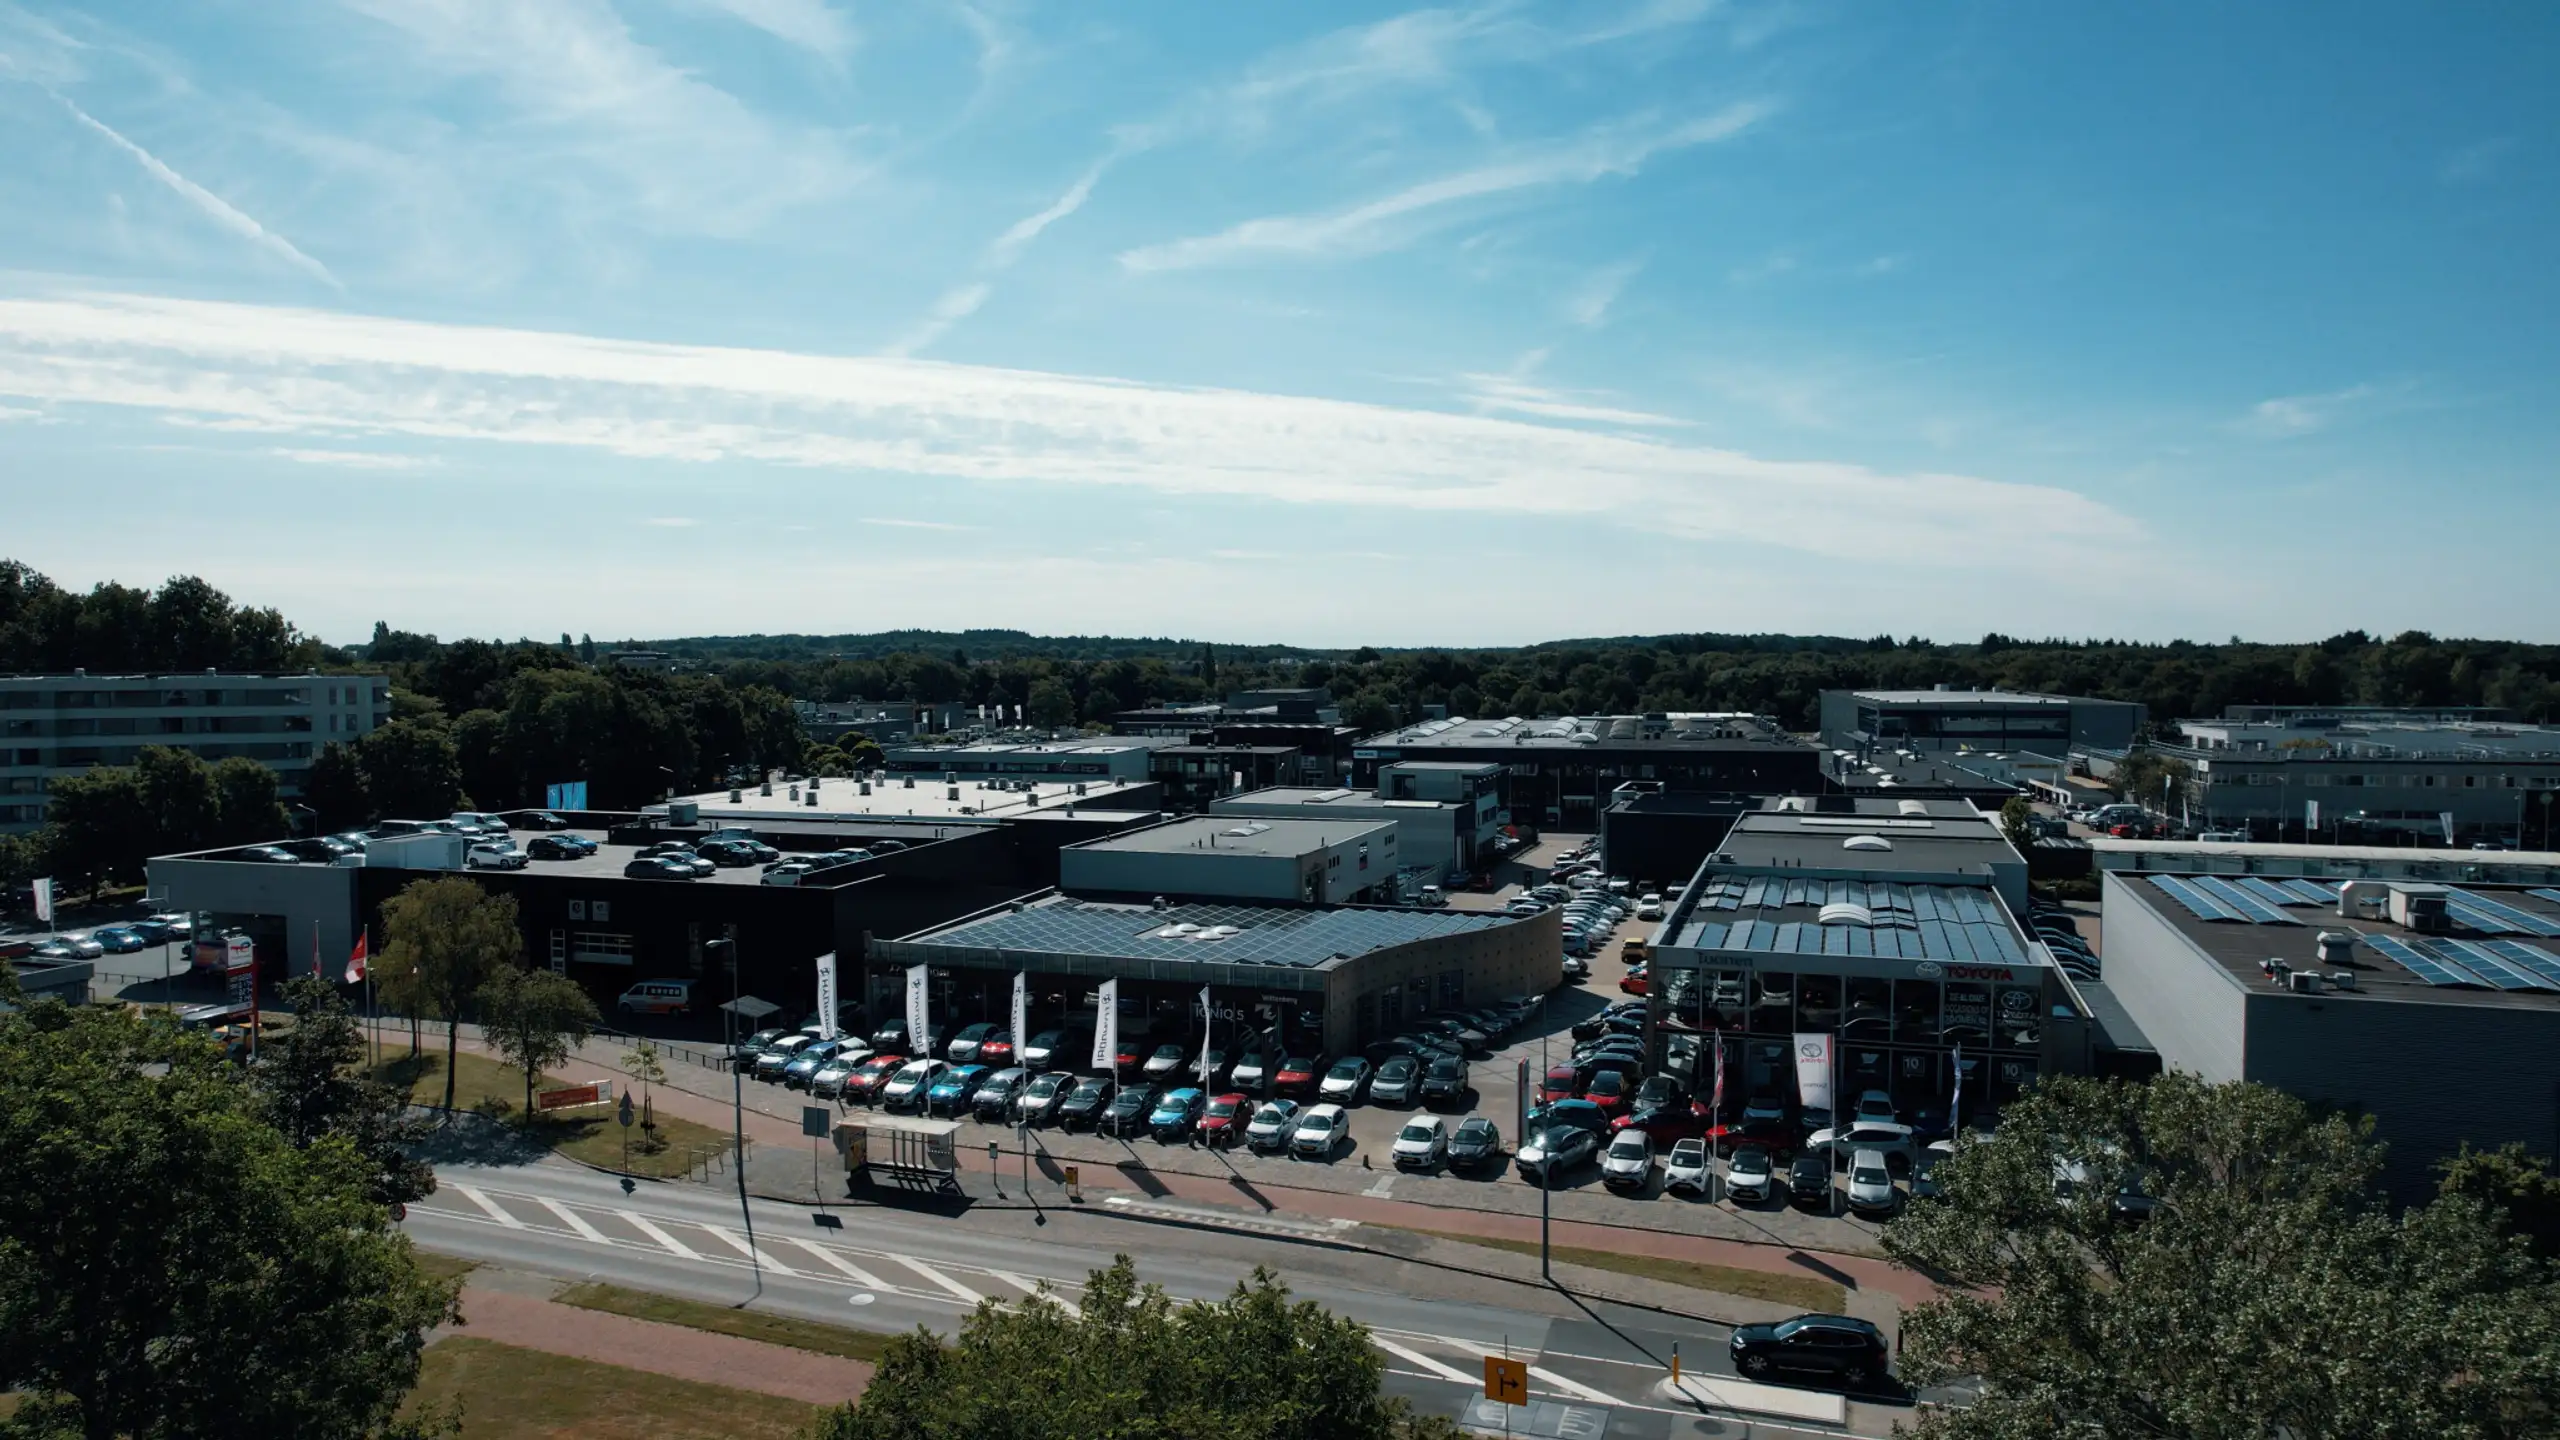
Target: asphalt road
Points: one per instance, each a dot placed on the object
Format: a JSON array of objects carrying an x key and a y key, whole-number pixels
[{"x": 1596, "y": 1368}]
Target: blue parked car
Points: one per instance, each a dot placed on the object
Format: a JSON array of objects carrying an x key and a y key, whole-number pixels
[
  {"x": 952, "y": 1092},
  {"x": 118, "y": 939},
  {"x": 1175, "y": 1115}
]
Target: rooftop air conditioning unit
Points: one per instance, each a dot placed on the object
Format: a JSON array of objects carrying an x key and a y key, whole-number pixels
[
  {"x": 736, "y": 795},
  {"x": 2303, "y": 982},
  {"x": 2342, "y": 979},
  {"x": 954, "y": 795}
]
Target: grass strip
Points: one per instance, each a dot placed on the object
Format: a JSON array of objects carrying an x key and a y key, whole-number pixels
[
  {"x": 591, "y": 1136},
  {"x": 508, "y": 1392},
  {"x": 1804, "y": 1291},
  {"x": 723, "y": 1320},
  {"x": 443, "y": 1267}
]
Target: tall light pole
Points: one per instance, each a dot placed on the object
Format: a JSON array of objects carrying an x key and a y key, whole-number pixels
[{"x": 739, "y": 1008}]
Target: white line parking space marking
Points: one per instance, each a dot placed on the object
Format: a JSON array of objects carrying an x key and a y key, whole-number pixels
[
  {"x": 738, "y": 1242},
  {"x": 485, "y": 1203},
  {"x": 938, "y": 1278},
  {"x": 1554, "y": 1381},
  {"x": 1415, "y": 1357},
  {"x": 673, "y": 1245},
  {"x": 574, "y": 1221},
  {"x": 853, "y": 1272}
]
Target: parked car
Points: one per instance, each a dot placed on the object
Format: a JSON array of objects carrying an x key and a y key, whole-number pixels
[
  {"x": 864, "y": 1084},
  {"x": 770, "y": 1062},
  {"x": 1084, "y": 1104},
  {"x": 1347, "y": 1083},
  {"x": 725, "y": 854},
  {"x": 1576, "y": 968},
  {"x": 1871, "y": 1189},
  {"x": 954, "y": 1089},
  {"x": 1175, "y": 1114},
  {"x": 1321, "y": 1131},
  {"x": 804, "y": 1067},
  {"x": 1296, "y": 1075},
  {"x": 1042, "y": 1097},
  {"x": 744, "y": 1053},
  {"x": 1809, "y": 1181},
  {"x": 1895, "y": 1143},
  {"x": 1875, "y": 1105},
  {"x": 117, "y": 940},
  {"x": 541, "y": 820},
  {"x": 1636, "y": 981},
  {"x": 676, "y": 852},
  {"x": 1223, "y": 1122},
  {"x": 963, "y": 1049},
  {"x": 1166, "y": 1062},
  {"x": 1252, "y": 1072},
  {"x": 1130, "y": 1052},
  {"x": 656, "y": 867},
  {"x": 912, "y": 1085},
  {"x": 1668, "y": 1124},
  {"x": 1628, "y": 1162},
  {"x": 1832, "y": 1346},
  {"x": 1272, "y": 1125},
  {"x": 995, "y": 1050},
  {"x": 1053, "y": 1048},
  {"x": 1444, "y": 1083},
  {"x": 827, "y": 1082},
  {"x": 789, "y": 872},
  {"x": 1749, "y": 1174},
  {"x": 1558, "y": 1083},
  {"x": 556, "y": 847},
  {"x": 1397, "y": 1082},
  {"x": 1128, "y": 1111},
  {"x": 1557, "y": 1147},
  {"x": 1657, "y": 1092},
  {"x": 1685, "y": 1170},
  {"x": 1608, "y": 1089},
  {"x": 1421, "y": 1145},
  {"x": 1475, "y": 1144}
]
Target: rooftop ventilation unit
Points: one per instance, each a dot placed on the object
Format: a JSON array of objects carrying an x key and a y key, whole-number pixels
[{"x": 1912, "y": 807}]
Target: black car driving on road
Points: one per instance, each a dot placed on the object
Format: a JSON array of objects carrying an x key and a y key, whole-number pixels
[{"x": 1835, "y": 1347}]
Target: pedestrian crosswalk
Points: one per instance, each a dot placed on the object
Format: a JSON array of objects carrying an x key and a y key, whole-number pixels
[{"x": 940, "y": 1280}]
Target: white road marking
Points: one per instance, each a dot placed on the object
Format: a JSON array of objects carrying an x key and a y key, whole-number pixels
[
  {"x": 673, "y": 1245},
  {"x": 1416, "y": 1357},
  {"x": 1027, "y": 1287},
  {"x": 739, "y": 1243},
  {"x": 1579, "y": 1391},
  {"x": 853, "y": 1272},
  {"x": 938, "y": 1278},
  {"x": 573, "y": 1220},
  {"x": 1379, "y": 1191},
  {"x": 485, "y": 1203}
]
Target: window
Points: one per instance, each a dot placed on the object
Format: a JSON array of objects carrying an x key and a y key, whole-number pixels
[{"x": 599, "y": 949}]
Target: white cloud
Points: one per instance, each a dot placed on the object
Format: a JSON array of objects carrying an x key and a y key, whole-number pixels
[
  {"x": 809, "y": 24},
  {"x": 356, "y": 459},
  {"x": 1009, "y": 246},
  {"x": 1514, "y": 395},
  {"x": 1391, "y": 219},
  {"x": 1589, "y": 304},
  {"x": 2288, "y": 416},
  {"x": 957, "y": 304},
  {"x": 213, "y": 207},
  {"x": 20, "y": 413},
  {"x": 363, "y": 375},
  {"x": 2475, "y": 162},
  {"x": 1761, "y": 271},
  {"x": 911, "y": 524}
]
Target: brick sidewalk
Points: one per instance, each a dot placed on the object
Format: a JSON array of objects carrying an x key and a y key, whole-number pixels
[{"x": 697, "y": 1355}]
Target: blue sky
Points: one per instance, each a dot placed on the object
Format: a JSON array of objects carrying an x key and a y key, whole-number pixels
[{"x": 1310, "y": 323}]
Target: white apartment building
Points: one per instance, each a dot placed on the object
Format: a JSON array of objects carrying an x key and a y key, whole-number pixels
[{"x": 53, "y": 725}]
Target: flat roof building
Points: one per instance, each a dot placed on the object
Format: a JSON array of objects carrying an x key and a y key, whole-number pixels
[
  {"x": 1341, "y": 861},
  {"x": 1110, "y": 757},
  {"x": 2433, "y": 1008},
  {"x": 1945, "y": 719},
  {"x": 57, "y": 725},
  {"x": 1314, "y": 980},
  {"x": 1939, "y": 841},
  {"x": 2351, "y": 780},
  {"x": 1559, "y": 773},
  {"x": 1434, "y": 835},
  {"x": 910, "y": 799}
]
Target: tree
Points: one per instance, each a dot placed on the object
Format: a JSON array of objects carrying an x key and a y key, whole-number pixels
[
  {"x": 102, "y": 827},
  {"x": 246, "y": 807},
  {"x": 486, "y": 770},
  {"x": 2017, "y": 821},
  {"x": 2515, "y": 1185},
  {"x": 2270, "y": 1290},
  {"x": 642, "y": 1063},
  {"x": 534, "y": 1018},
  {"x": 411, "y": 770},
  {"x": 170, "y": 1265},
  {"x": 1129, "y": 1362},
  {"x": 1049, "y": 705},
  {"x": 2149, "y": 778},
  {"x": 312, "y": 1087},
  {"x": 334, "y": 787},
  {"x": 443, "y": 939}
]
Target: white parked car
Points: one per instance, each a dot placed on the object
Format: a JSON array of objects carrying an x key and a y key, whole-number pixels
[
  {"x": 1629, "y": 1161},
  {"x": 82, "y": 944},
  {"x": 1423, "y": 1143},
  {"x": 1871, "y": 1189},
  {"x": 1895, "y": 1143},
  {"x": 495, "y": 855},
  {"x": 1877, "y": 1106},
  {"x": 906, "y": 1089},
  {"x": 1749, "y": 1174},
  {"x": 1685, "y": 1172},
  {"x": 786, "y": 873},
  {"x": 1320, "y": 1131},
  {"x": 1649, "y": 908}
]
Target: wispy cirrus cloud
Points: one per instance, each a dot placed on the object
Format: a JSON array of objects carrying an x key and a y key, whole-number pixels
[
  {"x": 2476, "y": 162},
  {"x": 894, "y": 524},
  {"x": 421, "y": 382},
  {"x": 810, "y": 24},
  {"x": 1589, "y": 304},
  {"x": 962, "y": 300},
  {"x": 355, "y": 459},
  {"x": 2287, "y": 417},
  {"x": 213, "y": 207},
  {"x": 1396, "y": 218}
]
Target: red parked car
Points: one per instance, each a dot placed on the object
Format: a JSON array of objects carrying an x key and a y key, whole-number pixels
[
  {"x": 996, "y": 1051},
  {"x": 1558, "y": 1084},
  {"x": 1297, "y": 1074},
  {"x": 1635, "y": 981},
  {"x": 1224, "y": 1121},
  {"x": 1669, "y": 1122},
  {"x": 1609, "y": 1090},
  {"x": 864, "y": 1083}
]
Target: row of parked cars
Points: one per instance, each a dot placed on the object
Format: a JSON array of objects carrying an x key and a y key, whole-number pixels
[{"x": 121, "y": 938}]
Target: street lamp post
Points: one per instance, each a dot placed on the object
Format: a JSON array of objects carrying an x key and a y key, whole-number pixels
[{"x": 749, "y": 1009}]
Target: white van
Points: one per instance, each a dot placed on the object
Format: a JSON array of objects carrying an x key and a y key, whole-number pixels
[{"x": 657, "y": 997}]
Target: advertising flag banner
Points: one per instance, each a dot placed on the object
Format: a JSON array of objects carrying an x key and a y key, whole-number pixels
[
  {"x": 44, "y": 901},
  {"x": 1813, "y": 1070},
  {"x": 1106, "y": 1025},
  {"x": 1717, "y": 1105},
  {"x": 1955, "y": 1107},
  {"x": 2445, "y": 818},
  {"x": 827, "y": 996},
  {"x": 1207, "y": 1017},
  {"x": 918, "y": 1027},
  {"x": 2310, "y": 814},
  {"x": 1021, "y": 1010}
]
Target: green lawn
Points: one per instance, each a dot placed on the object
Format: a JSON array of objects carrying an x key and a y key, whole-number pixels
[
  {"x": 723, "y": 1320},
  {"x": 1807, "y": 1292},
  {"x": 510, "y": 1393},
  {"x": 444, "y": 1267},
  {"x": 592, "y": 1136}
]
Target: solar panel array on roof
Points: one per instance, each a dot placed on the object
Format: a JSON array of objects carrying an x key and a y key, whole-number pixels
[
  {"x": 2551, "y": 895},
  {"x": 2197, "y": 903},
  {"x": 2249, "y": 907},
  {"x": 2492, "y": 916},
  {"x": 1912, "y": 922},
  {"x": 2311, "y": 891},
  {"x": 2425, "y": 967},
  {"x": 2271, "y": 893},
  {"x": 2532, "y": 958},
  {"x": 1258, "y": 935},
  {"x": 2210, "y": 897}
]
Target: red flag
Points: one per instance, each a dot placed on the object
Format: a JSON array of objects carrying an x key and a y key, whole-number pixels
[
  {"x": 355, "y": 962},
  {"x": 1718, "y": 1103}
]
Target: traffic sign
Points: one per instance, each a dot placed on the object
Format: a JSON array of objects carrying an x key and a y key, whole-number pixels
[
  {"x": 1505, "y": 1380},
  {"x": 624, "y": 1114}
]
